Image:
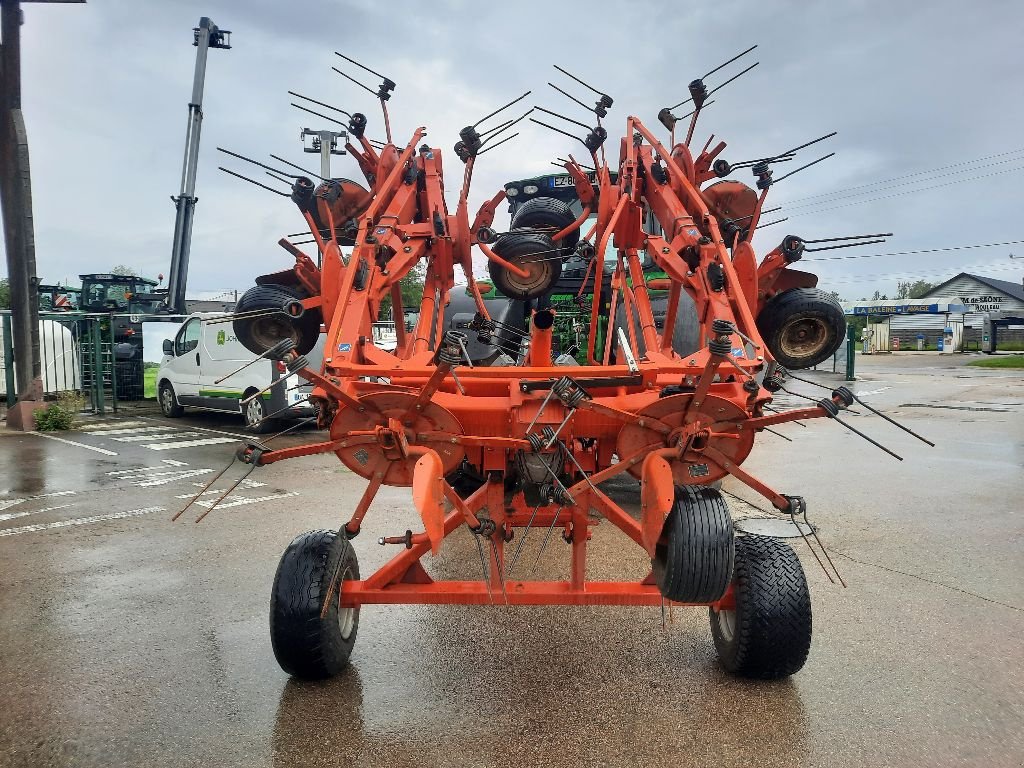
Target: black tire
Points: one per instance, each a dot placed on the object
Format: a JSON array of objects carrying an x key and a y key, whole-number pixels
[
  {"x": 551, "y": 215},
  {"x": 168, "y": 401},
  {"x": 802, "y": 327},
  {"x": 130, "y": 379},
  {"x": 255, "y": 414},
  {"x": 305, "y": 645},
  {"x": 693, "y": 561},
  {"x": 534, "y": 252},
  {"x": 768, "y": 635},
  {"x": 258, "y": 334}
]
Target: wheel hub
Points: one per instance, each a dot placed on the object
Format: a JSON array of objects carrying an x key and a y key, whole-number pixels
[{"x": 804, "y": 337}]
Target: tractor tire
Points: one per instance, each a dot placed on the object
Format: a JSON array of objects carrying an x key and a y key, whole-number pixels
[
  {"x": 802, "y": 327},
  {"x": 260, "y": 333},
  {"x": 693, "y": 561},
  {"x": 768, "y": 634},
  {"x": 545, "y": 267},
  {"x": 168, "y": 401},
  {"x": 305, "y": 645},
  {"x": 550, "y": 215}
]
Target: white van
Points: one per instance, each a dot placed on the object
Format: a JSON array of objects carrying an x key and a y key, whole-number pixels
[{"x": 204, "y": 352}]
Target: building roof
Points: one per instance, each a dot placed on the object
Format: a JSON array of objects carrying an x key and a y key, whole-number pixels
[{"x": 1016, "y": 290}]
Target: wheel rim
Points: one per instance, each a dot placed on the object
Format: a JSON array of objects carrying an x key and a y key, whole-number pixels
[
  {"x": 166, "y": 400},
  {"x": 268, "y": 331},
  {"x": 539, "y": 278},
  {"x": 346, "y": 616},
  {"x": 804, "y": 337},
  {"x": 254, "y": 412},
  {"x": 727, "y": 624}
]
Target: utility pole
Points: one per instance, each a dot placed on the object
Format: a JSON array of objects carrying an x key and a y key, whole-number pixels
[
  {"x": 324, "y": 143},
  {"x": 19, "y": 235},
  {"x": 207, "y": 35}
]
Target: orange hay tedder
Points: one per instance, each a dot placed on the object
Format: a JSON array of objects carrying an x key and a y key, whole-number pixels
[{"x": 538, "y": 437}]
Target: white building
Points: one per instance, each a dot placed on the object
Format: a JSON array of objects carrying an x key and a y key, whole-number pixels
[{"x": 954, "y": 311}]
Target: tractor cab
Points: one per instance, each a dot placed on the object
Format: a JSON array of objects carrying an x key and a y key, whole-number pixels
[{"x": 119, "y": 293}]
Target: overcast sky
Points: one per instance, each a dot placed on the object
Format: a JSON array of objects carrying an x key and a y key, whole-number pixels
[{"x": 911, "y": 88}]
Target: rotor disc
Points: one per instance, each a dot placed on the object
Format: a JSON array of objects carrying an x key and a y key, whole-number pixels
[
  {"x": 365, "y": 459},
  {"x": 694, "y": 468}
]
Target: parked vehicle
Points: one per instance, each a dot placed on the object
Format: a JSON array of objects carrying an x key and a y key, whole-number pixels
[{"x": 197, "y": 372}]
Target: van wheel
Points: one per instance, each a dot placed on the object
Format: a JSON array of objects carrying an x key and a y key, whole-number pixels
[
  {"x": 168, "y": 401},
  {"x": 255, "y": 412}
]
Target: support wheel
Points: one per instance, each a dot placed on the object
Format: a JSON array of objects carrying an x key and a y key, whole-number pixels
[
  {"x": 802, "y": 327},
  {"x": 261, "y": 321},
  {"x": 169, "y": 401},
  {"x": 535, "y": 253},
  {"x": 767, "y": 634},
  {"x": 693, "y": 561},
  {"x": 304, "y": 644},
  {"x": 551, "y": 215}
]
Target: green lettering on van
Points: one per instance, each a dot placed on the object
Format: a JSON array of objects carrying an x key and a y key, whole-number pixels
[{"x": 221, "y": 337}]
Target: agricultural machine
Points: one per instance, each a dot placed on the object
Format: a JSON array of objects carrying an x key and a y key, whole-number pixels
[{"x": 684, "y": 338}]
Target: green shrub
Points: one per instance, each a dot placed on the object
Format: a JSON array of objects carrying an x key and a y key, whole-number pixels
[
  {"x": 60, "y": 415},
  {"x": 54, "y": 417}
]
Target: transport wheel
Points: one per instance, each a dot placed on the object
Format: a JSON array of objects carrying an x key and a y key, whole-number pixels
[
  {"x": 255, "y": 412},
  {"x": 168, "y": 402},
  {"x": 259, "y": 333},
  {"x": 304, "y": 644},
  {"x": 767, "y": 635},
  {"x": 534, "y": 252},
  {"x": 802, "y": 327},
  {"x": 693, "y": 561},
  {"x": 550, "y": 214}
]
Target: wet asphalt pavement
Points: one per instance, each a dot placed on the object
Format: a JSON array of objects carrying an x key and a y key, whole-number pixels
[{"x": 131, "y": 640}]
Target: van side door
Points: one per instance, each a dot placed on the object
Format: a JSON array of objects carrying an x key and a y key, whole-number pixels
[{"x": 186, "y": 364}]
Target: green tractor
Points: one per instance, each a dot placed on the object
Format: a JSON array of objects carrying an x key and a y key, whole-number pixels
[
  {"x": 542, "y": 205},
  {"x": 125, "y": 298}
]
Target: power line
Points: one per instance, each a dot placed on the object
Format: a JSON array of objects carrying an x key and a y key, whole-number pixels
[
  {"x": 909, "y": 192},
  {"x": 910, "y": 175},
  {"x": 836, "y": 196},
  {"x": 917, "y": 274},
  {"x": 910, "y": 253}
]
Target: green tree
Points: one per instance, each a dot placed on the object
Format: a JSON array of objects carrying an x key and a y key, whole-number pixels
[
  {"x": 124, "y": 271},
  {"x": 5, "y": 293},
  {"x": 412, "y": 290},
  {"x": 914, "y": 290}
]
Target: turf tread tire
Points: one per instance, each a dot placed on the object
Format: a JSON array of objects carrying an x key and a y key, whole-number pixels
[
  {"x": 793, "y": 305},
  {"x": 517, "y": 248},
  {"x": 305, "y": 645},
  {"x": 773, "y": 624},
  {"x": 551, "y": 214},
  {"x": 305, "y": 330},
  {"x": 693, "y": 562}
]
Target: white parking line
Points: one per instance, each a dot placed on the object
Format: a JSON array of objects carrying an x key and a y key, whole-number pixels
[
  {"x": 114, "y": 425},
  {"x": 131, "y": 431},
  {"x": 78, "y": 521},
  {"x": 213, "y": 431},
  {"x": 175, "y": 462},
  {"x": 238, "y": 502},
  {"x": 181, "y": 474},
  {"x": 189, "y": 443},
  {"x": 8, "y": 503},
  {"x": 15, "y": 515},
  {"x": 104, "y": 451},
  {"x": 165, "y": 436}
]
